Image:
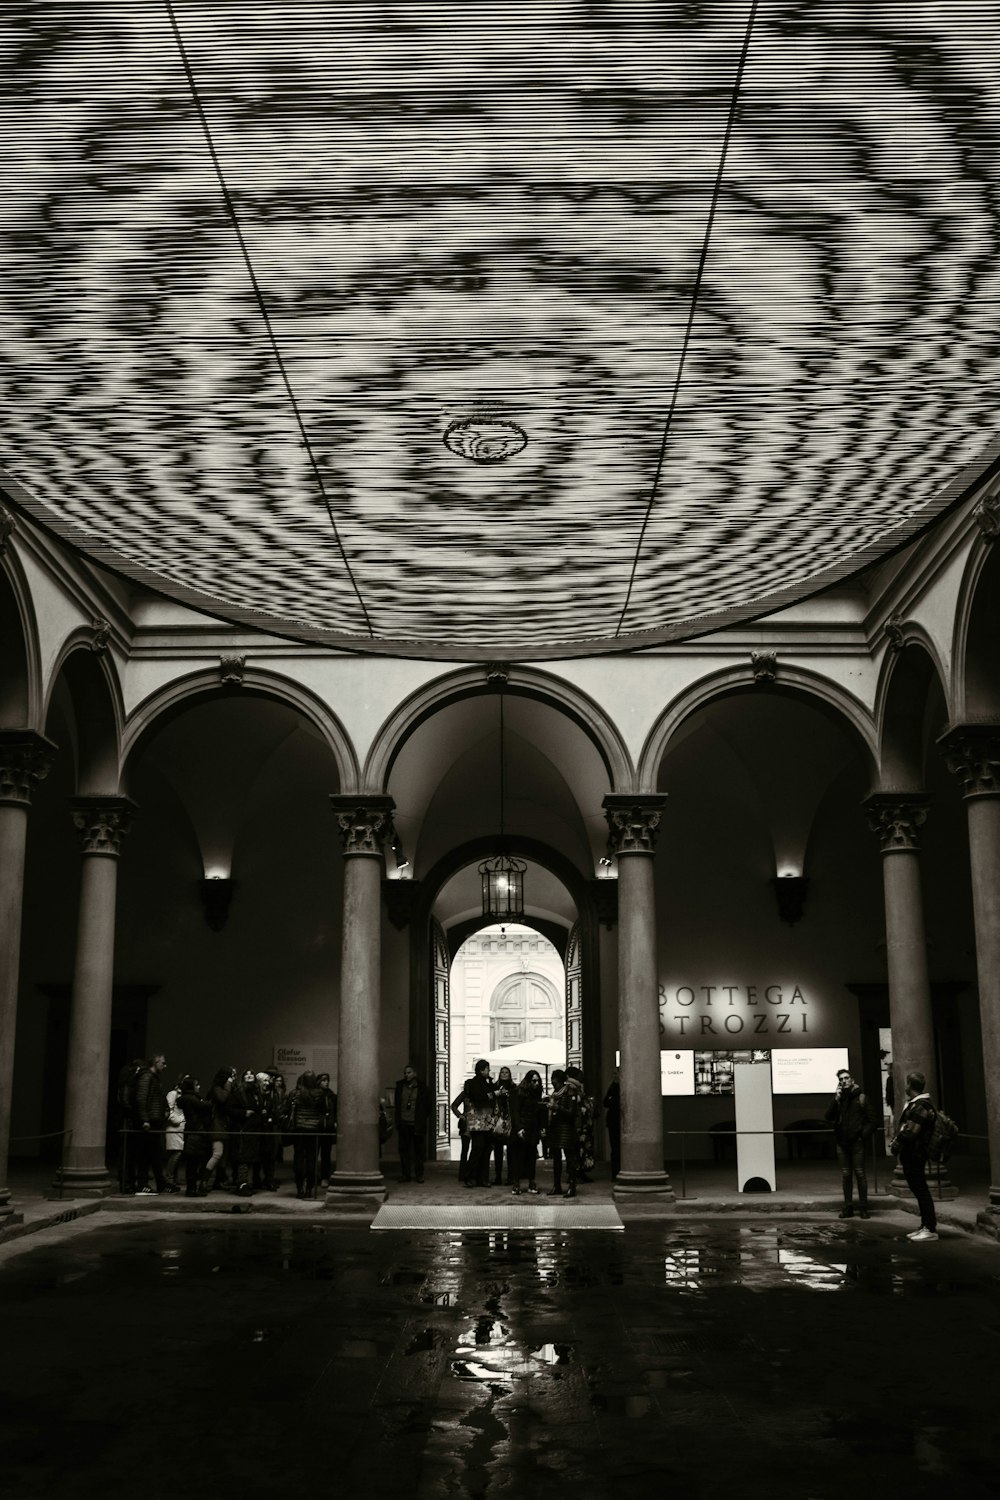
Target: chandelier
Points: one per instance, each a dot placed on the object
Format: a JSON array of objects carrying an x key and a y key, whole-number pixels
[{"x": 503, "y": 876}]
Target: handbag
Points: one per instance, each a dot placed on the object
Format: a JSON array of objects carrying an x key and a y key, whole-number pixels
[
  {"x": 501, "y": 1125},
  {"x": 483, "y": 1118}
]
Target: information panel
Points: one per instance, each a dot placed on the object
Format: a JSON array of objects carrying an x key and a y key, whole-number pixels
[
  {"x": 676, "y": 1073},
  {"x": 807, "y": 1072}
]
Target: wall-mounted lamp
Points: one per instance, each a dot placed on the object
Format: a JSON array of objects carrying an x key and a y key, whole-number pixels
[
  {"x": 605, "y": 867},
  {"x": 216, "y": 895},
  {"x": 791, "y": 893},
  {"x": 402, "y": 863}
]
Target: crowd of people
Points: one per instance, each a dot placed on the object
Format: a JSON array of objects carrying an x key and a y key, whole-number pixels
[
  {"x": 501, "y": 1118},
  {"x": 230, "y": 1137}
]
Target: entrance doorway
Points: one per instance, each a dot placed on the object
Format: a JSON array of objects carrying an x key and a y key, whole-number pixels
[{"x": 507, "y": 989}]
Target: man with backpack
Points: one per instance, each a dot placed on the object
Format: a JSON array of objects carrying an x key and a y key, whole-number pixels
[
  {"x": 911, "y": 1144},
  {"x": 853, "y": 1126}
]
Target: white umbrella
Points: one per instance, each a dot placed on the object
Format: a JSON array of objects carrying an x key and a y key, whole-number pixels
[{"x": 542, "y": 1052}]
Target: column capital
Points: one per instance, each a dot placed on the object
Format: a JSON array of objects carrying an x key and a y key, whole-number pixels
[
  {"x": 895, "y": 817},
  {"x": 634, "y": 821},
  {"x": 364, "y": 822},
  {"x": 25, "y": 758},
  {"x": 972, "y": 753},
  {"x": 103, "y": 823}
]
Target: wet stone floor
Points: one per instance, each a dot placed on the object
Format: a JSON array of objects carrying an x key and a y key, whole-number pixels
[{"x": 181, "y": 1358}]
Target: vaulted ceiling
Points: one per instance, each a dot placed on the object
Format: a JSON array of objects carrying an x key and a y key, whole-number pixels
[{"x": 477, "y": 330}]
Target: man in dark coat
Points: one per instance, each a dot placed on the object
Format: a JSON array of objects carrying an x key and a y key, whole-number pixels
[
  {"x": 853, "y": 1124},
  {"x": 413, "y": 1110},
  {"x": 150, "y": 1121}
]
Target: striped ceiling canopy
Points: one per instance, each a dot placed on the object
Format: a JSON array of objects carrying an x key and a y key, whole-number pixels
[{"x": 525, "y": 329}]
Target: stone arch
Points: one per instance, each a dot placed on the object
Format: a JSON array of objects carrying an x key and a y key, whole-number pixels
[
  {"x": 471, "y": 682},
  {"x": 976, "y": 651},
  {"x": 797, "y": 682},
  {"x": 909, "y": 674},
  {"x": 98, "y": 712},
  {"x": 580, "y": 889},
  {"x": 175, "y": 696},
  {"x": 20, "y": 665}
]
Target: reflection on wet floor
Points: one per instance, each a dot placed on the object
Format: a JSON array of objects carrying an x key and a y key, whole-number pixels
[{"x": 749, "y": 1358}]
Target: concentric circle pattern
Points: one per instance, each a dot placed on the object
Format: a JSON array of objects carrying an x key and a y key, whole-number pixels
[{"x": 733, "y": 269}]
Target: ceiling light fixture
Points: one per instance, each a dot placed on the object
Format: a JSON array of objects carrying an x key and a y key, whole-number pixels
[
  {"x": 485, "y": 440},
  {"x": 503, "y": 876}
]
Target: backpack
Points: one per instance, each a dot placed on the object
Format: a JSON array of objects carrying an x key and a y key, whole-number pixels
[{"x": 943, "y": 1135}]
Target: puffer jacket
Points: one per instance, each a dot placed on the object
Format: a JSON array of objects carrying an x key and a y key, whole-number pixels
[
  {"x": 309, "y": 1108},
  {"x": 150, "y": 1100}
]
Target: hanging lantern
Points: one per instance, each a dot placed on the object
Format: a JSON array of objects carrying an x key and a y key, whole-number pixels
[
  {"x": 503, "y": 888},
  {"x": 503, "y": 876}
]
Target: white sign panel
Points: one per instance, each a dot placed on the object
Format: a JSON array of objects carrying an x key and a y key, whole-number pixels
[
  {"x": 807, "y": 1072},
  {"x": 676, "y": 1073}
]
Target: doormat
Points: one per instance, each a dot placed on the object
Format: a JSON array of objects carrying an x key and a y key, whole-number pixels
[{"x": 573, "y": 1214}]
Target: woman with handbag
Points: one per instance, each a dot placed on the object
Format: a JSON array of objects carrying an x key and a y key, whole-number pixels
[
  {"x": 503, "y": 1127},
  {"x": 480, "y": 1114}
]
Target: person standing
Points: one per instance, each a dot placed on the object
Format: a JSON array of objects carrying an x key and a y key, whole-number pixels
[
  {"x": 246, "y": 1114},
  {"x": 197, "y": 1135},
  {"x": 413, "y": 1108},
  {"x": 564, "y": 1132},
  {"x": 151, "y": 1119},
  {"x": 480, "y": 1112},
  {"x": 329, "y": 1134},
  {"x": 853, "y": 1126},
  {"x": 528, "y": 1115},
  {"x": 916, "y": 1125},
  {"x": 458, "y": 1110},
  {"x": 586, "y": 1159},
  {"x": 128, "y": 1077},
  {"x": 270, "y": 1139},
  {"x": 306, "y": 1113},
  {"x": 173, "y": 1140},
  {"x": 219, "y": 1097},
  {"x": 613, "y": 1123},
  {"x": 502, "y": 1126}
]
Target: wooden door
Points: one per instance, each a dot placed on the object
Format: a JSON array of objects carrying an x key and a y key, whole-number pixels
[
  {"x": 574, "y": 998},
  {"x": 441, "y": 969}
]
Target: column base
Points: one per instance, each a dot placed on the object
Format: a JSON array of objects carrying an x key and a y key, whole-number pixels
[
  {"x": 9, "y": 1215},
  {"x": 83, "y": 1183},
  {"x": 355, "y": 1192},
  {"x": 630, "y": 1184},
  {"x": 988, "y": 1220}
]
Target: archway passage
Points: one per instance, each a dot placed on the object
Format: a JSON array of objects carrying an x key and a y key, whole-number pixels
[{"x": 507, "y": 997}]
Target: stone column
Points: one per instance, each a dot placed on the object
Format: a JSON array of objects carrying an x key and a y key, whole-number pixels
[
  {"x": 895, "y": 818},
  {"x": 633, "y": 821},
  {"x": 365, "y": 823},
  {"x": 973, "y": 754},
  {"x": 103, "y": 823},
  {"x": 25, "y": 758}
]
